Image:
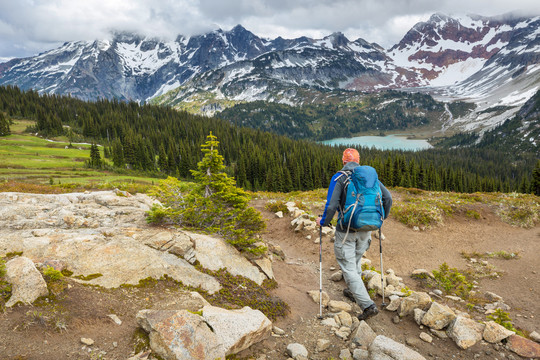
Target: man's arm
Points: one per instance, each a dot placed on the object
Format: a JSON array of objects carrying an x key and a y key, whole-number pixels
[
  {"x": 386, "y": 199},
  {"x": 333, "y": 199}
]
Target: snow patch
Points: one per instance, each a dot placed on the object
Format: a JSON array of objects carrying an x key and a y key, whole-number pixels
[{"x": 517, "y": 97}]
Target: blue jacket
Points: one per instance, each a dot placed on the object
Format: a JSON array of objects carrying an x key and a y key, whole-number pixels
[{"x": 336, "y": 196}]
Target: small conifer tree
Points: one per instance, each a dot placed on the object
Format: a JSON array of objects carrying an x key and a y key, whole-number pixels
[{"x": 215, "y": 204}]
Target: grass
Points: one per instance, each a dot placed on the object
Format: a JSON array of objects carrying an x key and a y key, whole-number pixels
[
  {"x": 426, "y": 209},
  {"x": 25, "y": 158}
]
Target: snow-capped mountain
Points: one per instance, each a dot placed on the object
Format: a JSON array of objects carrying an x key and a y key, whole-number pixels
[{"x": 489, "y": 60}]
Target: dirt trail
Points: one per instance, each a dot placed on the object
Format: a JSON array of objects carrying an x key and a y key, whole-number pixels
[{"x": 405, "y": 250}]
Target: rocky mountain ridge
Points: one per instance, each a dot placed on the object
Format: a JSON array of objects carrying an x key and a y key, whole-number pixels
[{"x": 467, "y": 57}]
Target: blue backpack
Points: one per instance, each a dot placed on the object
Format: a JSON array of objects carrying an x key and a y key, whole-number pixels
[{"x": 363, "y": 208}]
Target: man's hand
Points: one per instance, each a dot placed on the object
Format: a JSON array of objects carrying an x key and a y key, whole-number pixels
[{"x": 319, "y": 221}]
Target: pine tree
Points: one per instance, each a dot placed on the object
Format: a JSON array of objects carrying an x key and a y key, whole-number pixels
[
  {"x": 4, "y": 125},
  {"x": 535, "y": 182},
  {"x": 95, "y": 157},
  {"x": 216, "y": 204}
]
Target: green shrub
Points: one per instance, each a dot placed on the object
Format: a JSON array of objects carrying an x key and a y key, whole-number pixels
[
  {"x": 502, "y": 318},
  {"x": 452, "y": 281},
  {"x": 275, "y": 206},
  {"x": 52, "y": 274}
]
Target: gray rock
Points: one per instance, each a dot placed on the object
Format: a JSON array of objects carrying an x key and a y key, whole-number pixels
[
  {"x": 417, "y": 300},
  {"x": 337, "y": 306},
  {"x": 279, "y": 214},
  {"x": 315, "y": 294},
  {"x": 294, "y": 350},
  {"x": 180, "y": 335},
  {"x": 99, "y": 233},
  {"x": 237, "y": 330},
  {"x": 394, "y": 303},
  {"x": 323, "y": 345},
  {"x": 330, "y": 322},
  {"x": 385, "y": 348},
  {"x": 392, "y": 279},
  {"x": 343, "y": 332},
  {"x": 345, "y": 319},
  {"x": 26, "y": 281},
  {"x": 337, "y": 276},
  {"x": 278, "y": 331},
  {"x": 438, "y": 316},
  {"x": 492, "y": 296},
  {"x": 465, "y": 332},
  {"x": 360, "y": 354},
  {"x": 364, "y": 334},
  {"x": 265, "y": 265},
  {"x": 206, "y": 248},
  {"x": 426, "y": 337},
  {"x": 493, "y": 332},
  {"x": 115, "y": 319},
  {"x": 419, "y": 315},
  {"x": 345, "y": 354},
  {"x": 535, "y": 336}
]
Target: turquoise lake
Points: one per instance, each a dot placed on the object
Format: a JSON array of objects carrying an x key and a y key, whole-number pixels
[{"x": 389, "y": 142}]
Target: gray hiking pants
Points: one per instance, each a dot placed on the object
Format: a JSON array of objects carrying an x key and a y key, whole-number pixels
[{"x": 348, "y": 255}]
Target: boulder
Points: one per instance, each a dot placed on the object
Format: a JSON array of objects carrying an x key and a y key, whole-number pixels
[
  {"x": 493, "y": 332},
  {"x": 214, "y": 254},
  {"x": 523, "y": 347},
  {"x": 180, "y": 335},
  {"x": 323, "y": 344},
  {"x": 419, "y": 315},
  {"x": 295, "y": 350},
  {"x": 426, "y": 337},
  {"x": 265, "y": 265},
  {"x": 337, "y": 306},
  {"x": 438, "y": 316},
  {"x": 392, "y": 279},
  {"x": 384, "y": 348},
  {"x": 417, "y": 300},
  {"x": 237, "y": 330},
  {"x": 345, "y": 354},
  {"x": 465, "y": 332},
  {"x": 115, "y": 249},
  {"x": 315, "y": 294},
  {"x": 345, "y": 319},
  {"x": 374, "y": 283},
  {"x": 337, "y": 276},
  {"x": 364, "y": 335},
  {"x": 360, "y": 354},
  {"x": 343, "y": 332},
  {"x": 394, "y": 303},
  {"x": 26, "y": 281}
]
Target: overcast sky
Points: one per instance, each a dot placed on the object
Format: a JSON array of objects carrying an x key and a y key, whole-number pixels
[{"x": 28, "y": 27}]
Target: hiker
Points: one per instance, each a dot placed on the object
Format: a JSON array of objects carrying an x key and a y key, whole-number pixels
[{"x": 350, "y": 244}]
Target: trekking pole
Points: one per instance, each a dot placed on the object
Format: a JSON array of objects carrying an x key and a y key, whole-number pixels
[
  {"x": 382, "y": 271},
  {"x": 320, "y": 272}
]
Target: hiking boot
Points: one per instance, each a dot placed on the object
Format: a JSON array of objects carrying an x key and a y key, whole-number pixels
[
  {"x": 368, "y": 312},
  {"x": 349, "y": 295}
]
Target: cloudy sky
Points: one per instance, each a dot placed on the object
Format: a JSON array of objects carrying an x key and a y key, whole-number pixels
[{"x": 28, "y": 27}]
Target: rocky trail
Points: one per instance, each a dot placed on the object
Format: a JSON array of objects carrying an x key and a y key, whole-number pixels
[{"x": 104, "y": 234}]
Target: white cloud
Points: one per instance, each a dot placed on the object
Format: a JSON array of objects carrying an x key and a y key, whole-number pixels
[{"x": 30, "y": 26}]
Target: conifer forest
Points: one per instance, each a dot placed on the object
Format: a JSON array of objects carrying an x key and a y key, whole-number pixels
[{"x": 161, "y": 141}]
